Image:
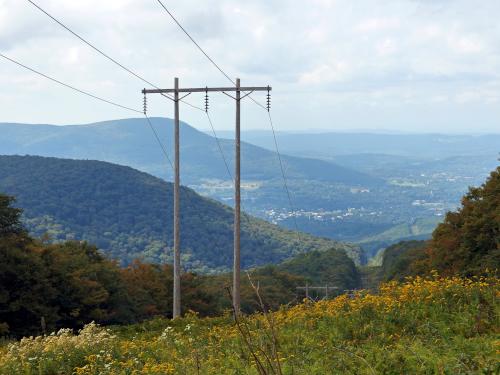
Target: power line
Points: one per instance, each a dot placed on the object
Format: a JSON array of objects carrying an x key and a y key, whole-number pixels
[
  {"x": 159, "y": 141},
  {"x": 203, "y": 51},
  {"x": 195, "y": 43},
  {"x": 128, "y": 70},
  {"x": 285, "y": 182},
  {"x": 89, "y": 44},
  {"x": 226, "y": 164},
  {"x": 220, "y": 147},
  {"x": 101, "y": 52},
  {"x": 94, "y": 97},
  {"x": 69, "y": 86},
  {"x": 153, "y": 85}
]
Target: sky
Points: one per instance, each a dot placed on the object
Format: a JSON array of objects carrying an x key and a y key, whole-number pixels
[{"x": 377, "y": 65}]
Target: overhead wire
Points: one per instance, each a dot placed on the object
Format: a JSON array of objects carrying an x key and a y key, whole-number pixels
[
  {"x": 130, "y": 71},
  {"x": 250, "y": 97},
  {"x": 203, "y": 51},
  {"x": 91, "y": 96},
  {"x": 221, "y": 151},
  {"x": 122, "y": 66},
  {"x": 194, "y": 41},
  {"x": 220, "y": 147},
  {"x": 159, "y": 141},
  {"x": 283, "y": 174},
  {"x": 101, "y": 52},
  {"x": 69, "y": 86},
  {"x": 155, "y": 86}
]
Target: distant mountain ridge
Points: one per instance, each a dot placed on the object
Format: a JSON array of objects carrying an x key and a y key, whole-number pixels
[
  {"x": 327, "y": 145},
  {"x": 130, "y": 142},
  {"x": 128, "y": 214}
]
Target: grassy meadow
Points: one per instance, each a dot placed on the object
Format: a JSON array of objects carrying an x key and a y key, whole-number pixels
[{"x": 431, "y": 325}]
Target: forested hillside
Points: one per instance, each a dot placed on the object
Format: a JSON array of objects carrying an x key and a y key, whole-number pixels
[{"x": 128, "y": 214}]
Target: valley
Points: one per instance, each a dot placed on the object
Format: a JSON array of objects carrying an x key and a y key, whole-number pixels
[{"x": 345, "y": 189}]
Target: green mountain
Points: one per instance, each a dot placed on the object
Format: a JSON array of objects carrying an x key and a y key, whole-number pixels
[{"x": 128, "y": 214}]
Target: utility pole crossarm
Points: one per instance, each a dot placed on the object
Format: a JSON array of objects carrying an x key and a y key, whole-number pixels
[{"x": 206, "y": 89}]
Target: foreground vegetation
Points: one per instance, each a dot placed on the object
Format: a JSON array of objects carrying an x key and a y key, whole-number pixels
[{"x": 422, "y": 326}]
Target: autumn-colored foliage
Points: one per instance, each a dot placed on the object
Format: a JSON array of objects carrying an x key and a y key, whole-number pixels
[{"x": 424, "y": 325}]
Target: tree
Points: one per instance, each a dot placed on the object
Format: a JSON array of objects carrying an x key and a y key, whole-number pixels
[
  {"x": 10, "y": 217},
  {"x": 331, "y": 267},
  {"x": 400, "y": 260},
  {"x": 26, "y": 293},
  {"x": 149, "y": 288},
  {"x": 88, "y": 285}
]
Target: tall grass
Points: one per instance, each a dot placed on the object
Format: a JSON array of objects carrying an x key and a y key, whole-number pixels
[{"x": 422, "y": 326}]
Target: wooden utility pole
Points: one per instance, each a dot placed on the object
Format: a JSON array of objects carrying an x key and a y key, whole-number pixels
[
  {"x": 177, "y": 234},
  {"x": 237, "y": 182},
  {"x": 237, "y": 204}
]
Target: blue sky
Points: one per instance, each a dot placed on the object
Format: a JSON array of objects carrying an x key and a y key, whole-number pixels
[{"x": 397, "y": 65}]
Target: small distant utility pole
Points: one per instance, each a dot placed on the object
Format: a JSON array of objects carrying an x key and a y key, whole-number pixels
[
  {"x": 237, "y": 181},
  {"x": 326, "y": 288}
]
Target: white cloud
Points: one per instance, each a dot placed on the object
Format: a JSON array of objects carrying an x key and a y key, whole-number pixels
[
  {"x": 326, "y": 73},
  {"x": 396, "y": 54},
  {"x": 378, "y": 24},
  {"x": 386, "y": 47}
]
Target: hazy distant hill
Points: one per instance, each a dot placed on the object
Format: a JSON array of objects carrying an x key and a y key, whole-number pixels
[
  {"x": 329, "y": 144},
  {"x": 128, "y": 214},
  {"x": 130, "y": 142}
]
